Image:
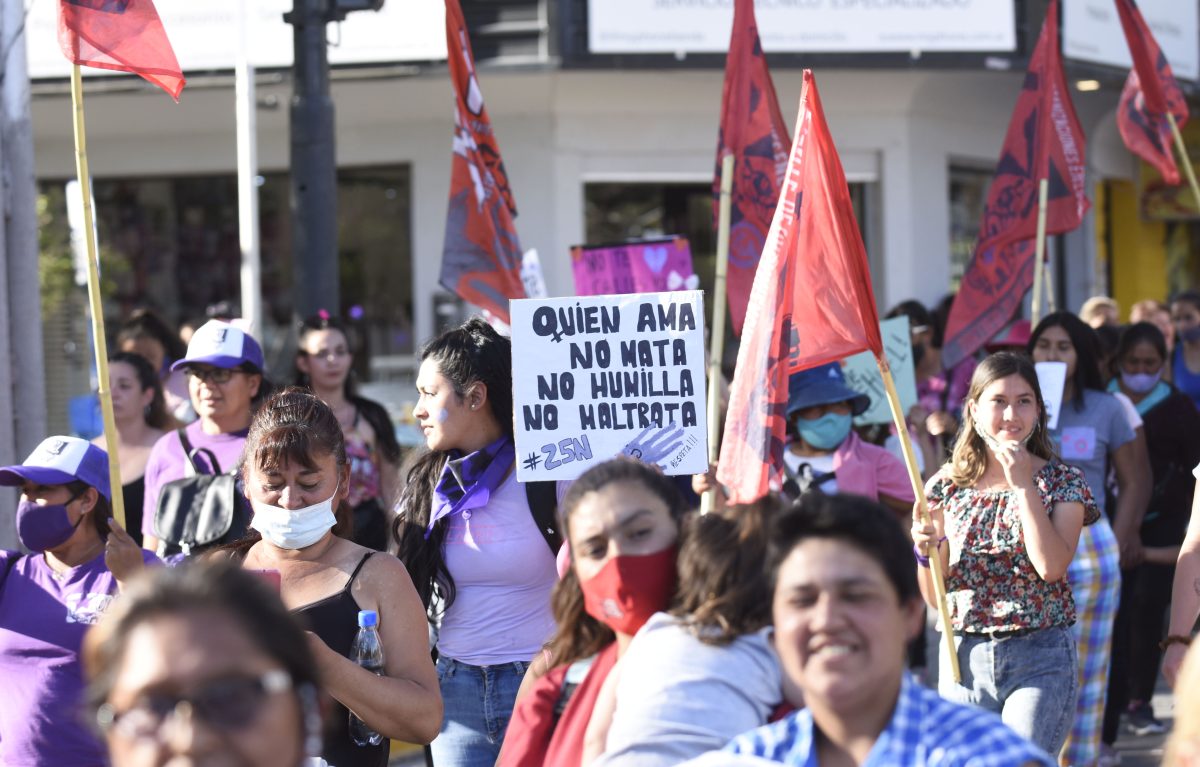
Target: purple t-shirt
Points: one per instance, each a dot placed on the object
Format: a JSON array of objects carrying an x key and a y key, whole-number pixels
[
  {"x": 42, "y": 623},
  {"x": 168, "y": 463}
]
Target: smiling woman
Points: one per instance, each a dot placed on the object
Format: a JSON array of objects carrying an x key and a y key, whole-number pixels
[{"x": 1005, "y": 517}]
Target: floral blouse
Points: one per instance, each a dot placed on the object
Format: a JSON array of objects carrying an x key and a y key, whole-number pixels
[{"x": 992, "y": 585}]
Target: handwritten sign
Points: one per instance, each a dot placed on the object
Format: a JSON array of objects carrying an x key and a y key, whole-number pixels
[
  {"x": 648, "y": 266},
  {"x": 1052, "y": 379},
  {"x": 862, "y": 373},
  {"x": 599, "y": 376}
]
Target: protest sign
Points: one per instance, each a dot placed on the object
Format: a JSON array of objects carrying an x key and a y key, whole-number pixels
[
  {"x": 1052, "y": 379},
  {"x": 600, "y": 376},
  {"x": 531, "y": 274},
  {"x": 647, "y": 266},
  {"x": 862, "y": 373}
]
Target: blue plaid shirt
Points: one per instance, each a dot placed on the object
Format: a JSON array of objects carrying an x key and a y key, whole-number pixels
[{"x": 925, "y": 731}]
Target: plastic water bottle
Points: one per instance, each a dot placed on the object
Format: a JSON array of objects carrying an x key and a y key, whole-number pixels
[{"x": 367, "y": 651}]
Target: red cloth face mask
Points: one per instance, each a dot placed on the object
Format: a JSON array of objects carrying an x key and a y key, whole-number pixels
[{"x": 629, "y": 589}]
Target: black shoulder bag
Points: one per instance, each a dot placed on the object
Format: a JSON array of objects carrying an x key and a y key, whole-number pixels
[{"x": 200, "y": 511}]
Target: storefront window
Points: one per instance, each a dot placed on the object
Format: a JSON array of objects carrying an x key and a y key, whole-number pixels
[
  {"x": 968, "y": 192},
  {"x": 172, "y": 244}
]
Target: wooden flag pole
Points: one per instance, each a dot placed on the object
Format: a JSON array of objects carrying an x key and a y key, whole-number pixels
[
  {"x": 1183, "y": 157},
  {"x": 1051, "y": 302},
  {"x": 914, "y": 476},
  {"x": 93, "y": 279},
  {"x": 717, "y": 342},
  {"x": 1040, "y": 257}
]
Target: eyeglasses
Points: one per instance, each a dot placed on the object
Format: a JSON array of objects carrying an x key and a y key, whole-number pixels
[
  {"x": 212, "y": 375},
  {"x": 228, "y": 704}
]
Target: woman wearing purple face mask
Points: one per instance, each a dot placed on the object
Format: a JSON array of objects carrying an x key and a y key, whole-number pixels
[
  {"x": 79, "y": 561},
  {"x": 622, "y": 521},
  {"x": 1172, "y": 427}
]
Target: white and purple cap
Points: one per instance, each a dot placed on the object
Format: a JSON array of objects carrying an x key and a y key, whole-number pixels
[
  {"x": 222, "y": 345},
  {"x": 59, "y": 460}
]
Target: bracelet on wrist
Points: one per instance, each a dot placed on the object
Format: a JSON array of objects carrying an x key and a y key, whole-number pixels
[
  {"x": 1175, "y": 639},
  {"x": 923, "y": 560}
]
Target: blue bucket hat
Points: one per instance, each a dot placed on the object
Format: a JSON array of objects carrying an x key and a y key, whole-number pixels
[
  {"x": 60, "y": 460},
  {"x": 823, "y": 385}
]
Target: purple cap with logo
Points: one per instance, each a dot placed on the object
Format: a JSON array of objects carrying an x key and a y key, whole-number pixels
[
  {"x": 222, "y": 345},
  {"x": 59, "y": 460}
]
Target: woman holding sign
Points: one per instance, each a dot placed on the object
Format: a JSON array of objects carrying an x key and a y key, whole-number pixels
[
  {"x": 467, "y": 533},
  {"x": 1092, "y": 433}
]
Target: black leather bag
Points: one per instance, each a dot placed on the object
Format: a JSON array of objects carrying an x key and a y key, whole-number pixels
[{"x": 200, "y": 511}]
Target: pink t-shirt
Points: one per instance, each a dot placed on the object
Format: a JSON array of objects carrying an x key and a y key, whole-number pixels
[{"x": 503, "y": 572}]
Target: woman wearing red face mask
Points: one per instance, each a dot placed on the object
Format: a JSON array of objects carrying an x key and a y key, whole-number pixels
[{"x": 622, "y": 522}]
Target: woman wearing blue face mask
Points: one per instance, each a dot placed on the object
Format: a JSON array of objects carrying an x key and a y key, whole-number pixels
[
  {"x": 826, "y": 455},
  {"x": 1172, "y": 426},
  {"x": 296, "y": 474}
]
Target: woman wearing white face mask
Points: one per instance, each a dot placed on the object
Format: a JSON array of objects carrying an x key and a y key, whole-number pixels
[{"x": 296, "y": 475}]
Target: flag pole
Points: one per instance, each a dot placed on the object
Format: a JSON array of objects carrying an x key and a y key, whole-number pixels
[
  {"x": 1183, "y": 156},
  {"x": 93, "y": 280},
  {"x": 1051, "y": 303},
  {"x": 1040, "y": 257},
  {"x": 717, "y": 342},
  {"x": 914, "y": 476}
]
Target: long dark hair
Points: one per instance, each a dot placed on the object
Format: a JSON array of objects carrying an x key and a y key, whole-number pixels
[
  {"x": 375, "y": 414},
  {"x": 156, "y": 414},
  {"x": 471, "y": 353},
  {"x": 293, "y": 427},
  {"x": 969, "y": 459},
  {"x": 577, "y": 634},
  {"x": 145, "y": 323},
  {"x": 1087, "y": 355},
  {"x": 1140, "y": 333}
]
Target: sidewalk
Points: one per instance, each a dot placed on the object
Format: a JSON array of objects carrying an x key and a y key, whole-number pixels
[{"x": 1147, "y": 750}]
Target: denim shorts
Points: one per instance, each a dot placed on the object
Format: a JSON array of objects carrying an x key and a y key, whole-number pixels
[
  {"x": 478, "y": 703},
  {"x": 1030, "y": 680}
]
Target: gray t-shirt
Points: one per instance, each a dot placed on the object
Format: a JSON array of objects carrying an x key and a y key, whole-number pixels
[
  {"x": 1086, "y": 436},
  {"x": 678, "y": 697}
]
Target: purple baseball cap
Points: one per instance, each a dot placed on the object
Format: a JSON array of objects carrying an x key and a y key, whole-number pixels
[
  {"x": 59, "y": 460},
  {"x": 221, "y": 345}
]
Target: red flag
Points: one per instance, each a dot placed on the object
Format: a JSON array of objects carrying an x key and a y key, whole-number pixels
[
  {"x": 1150, "y": 92},
  {"x": 811, "y": 303},
  {"x": 481, "y": 257},
  {"x": 1044, "y": 140},
  {"x": 753, "y": 131},
  {"x": 121, "y": 35}
]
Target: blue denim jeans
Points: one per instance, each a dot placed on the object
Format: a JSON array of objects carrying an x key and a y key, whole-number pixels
[
  {"x": 478, "y": 702},
  {"x": 1031, "y": 681}
]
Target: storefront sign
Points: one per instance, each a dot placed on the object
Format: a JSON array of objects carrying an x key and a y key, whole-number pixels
[
  {"x": 205, "y": 34},
  {"x": 599, "y": 376},
  {"x": 803, "y": 26},
  {"x": 1092, "y": 32}
]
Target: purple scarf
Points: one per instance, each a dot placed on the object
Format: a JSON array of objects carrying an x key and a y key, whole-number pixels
[{"x": 468, "y": 481}]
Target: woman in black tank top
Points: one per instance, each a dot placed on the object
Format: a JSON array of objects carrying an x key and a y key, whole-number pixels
[{"x": 295, "y": 474}]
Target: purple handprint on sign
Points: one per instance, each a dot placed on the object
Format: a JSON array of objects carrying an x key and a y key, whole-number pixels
[{"x": 655, "y": 444}]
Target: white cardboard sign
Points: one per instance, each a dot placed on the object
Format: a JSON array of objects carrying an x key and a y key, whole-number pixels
[
  {"x": 1052, "y": 379},
  {"x": 599, "y": 376}
]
